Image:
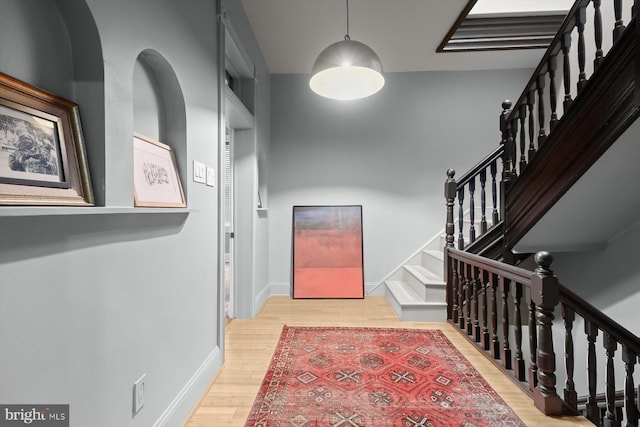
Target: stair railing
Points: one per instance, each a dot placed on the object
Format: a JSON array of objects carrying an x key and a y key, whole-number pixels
[
  {"x": 540, "y": 161},
  {"x": 481, "y": 296},
  {"x": 610, "y": 96},
  {"x": 564, "y": 145},
  {"x": 617, "y": 405},
  {"x": 477, "y": 287},
  {"x": 484, "y": 173},
  {"x": 540, "y": 96}
]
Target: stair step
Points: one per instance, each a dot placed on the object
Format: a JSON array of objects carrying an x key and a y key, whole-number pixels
[
  {"x": 402, "y": 293},
  {"x": 408, "y": 307},
  {"x": 433, "y": 260},
  {"x": 424, "y": 283}
]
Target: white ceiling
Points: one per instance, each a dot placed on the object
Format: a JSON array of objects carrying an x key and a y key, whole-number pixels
[{"x": 404, "y": 33}]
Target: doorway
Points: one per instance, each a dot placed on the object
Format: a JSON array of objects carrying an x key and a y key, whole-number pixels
[{"x": 229, "y": 233}]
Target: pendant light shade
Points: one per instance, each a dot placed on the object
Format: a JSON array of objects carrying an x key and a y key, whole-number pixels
[{"x": 347, "y": 70}]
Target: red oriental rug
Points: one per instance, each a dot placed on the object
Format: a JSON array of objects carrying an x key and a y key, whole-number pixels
[{"x": 344, "y": 377}]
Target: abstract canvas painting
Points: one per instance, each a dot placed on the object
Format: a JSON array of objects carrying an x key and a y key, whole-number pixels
[{"x": 327, "y": 252}]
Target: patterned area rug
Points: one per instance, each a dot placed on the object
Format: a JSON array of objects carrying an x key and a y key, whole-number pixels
[{"x": 344, "y": 377}]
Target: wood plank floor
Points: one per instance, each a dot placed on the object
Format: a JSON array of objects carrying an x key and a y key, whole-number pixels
[{"x": 250, "y": 345}]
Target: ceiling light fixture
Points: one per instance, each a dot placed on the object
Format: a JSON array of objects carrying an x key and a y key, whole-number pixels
[{"x": 347, "y": 70}]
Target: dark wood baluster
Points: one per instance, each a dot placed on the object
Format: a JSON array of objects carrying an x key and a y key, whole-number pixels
[
  {"x": 544, "y": 292},
  {"x": 533, "y": 347},
  {"x": 581, "y": 19},
  {"x": 566, "y": 71},
  {"x": 469, "y": 294},
  {"x": 610, "y": 346},
  {"x": 619, "y": 25},
  {"x": 450, "y": 197},
  {"x": 505, "y": 355},
  {"x": 531, "y": 100},
  {"x": 513, "y": 142},
  {"x": 472, "y": 210},
  {"x": 597, "y": 23},
  {"x": 493, "y": 169},
  {"x": 523, "y": 116},
  {"x": 456, "y": 290},
  {"x": 476, "y": 304},
  {"x": 462, "y": 283},
  {"x": 518, "y": 361},
  {"x": 461, "y": 218},
  {"x": 540, "y": 88},
  {"x": 485, "y": 311},
  {"x": 483, "y": 201},
  {"x": 553, "y": 95},
  {"x": 495, "y": 340},
  {"x": 631, "y": 412},
  {"x": 593, "y": 413},
  {"x": 507, "y": 140},
  {"x": 570, "y": 395}
]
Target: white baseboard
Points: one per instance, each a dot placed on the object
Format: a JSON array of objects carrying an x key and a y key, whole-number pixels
[
  {"x": 182, "y": 404},
  {"x": 281, "y": 288},
  {"x": 260, "y": 299}
]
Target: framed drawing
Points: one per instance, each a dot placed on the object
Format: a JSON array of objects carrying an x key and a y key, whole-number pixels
[
  {"x": 327, "y": 252},
  {"x": 42, "y": 153},
  {"x": 155, "y": 175}
]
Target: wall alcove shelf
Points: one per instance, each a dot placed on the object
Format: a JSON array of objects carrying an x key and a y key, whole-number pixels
[{"x": 22, "y": 211}]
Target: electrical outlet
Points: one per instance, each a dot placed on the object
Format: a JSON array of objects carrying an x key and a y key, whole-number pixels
[{"x": 138, "y": 393}]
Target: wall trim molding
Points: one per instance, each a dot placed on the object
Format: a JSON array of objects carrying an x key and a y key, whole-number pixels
[{"x": 182, "y": 404}]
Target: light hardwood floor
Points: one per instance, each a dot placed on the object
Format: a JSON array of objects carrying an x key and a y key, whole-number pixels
[{"x": 250, "y": 345}]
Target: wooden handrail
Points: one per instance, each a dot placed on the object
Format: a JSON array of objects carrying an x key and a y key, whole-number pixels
[
  {"x": 482, "y": 164},
  {"x": 553, "y": 49},
  {"x": 506, "y": 271},
  {"x": 600, "y": 320}
]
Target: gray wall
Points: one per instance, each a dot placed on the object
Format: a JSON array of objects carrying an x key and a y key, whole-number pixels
[
  {"x": 90, "y": 300},
  {"x": 388, "y": 152}
]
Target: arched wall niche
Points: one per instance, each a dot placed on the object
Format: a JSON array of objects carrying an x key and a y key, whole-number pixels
[
  {"x": 158, "y": 106},
  {"x": 56, "y": 46},
  {"x": 87, "y": 85}
]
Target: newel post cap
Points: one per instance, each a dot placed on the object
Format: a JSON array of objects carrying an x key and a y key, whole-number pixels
[
  {"x": 545, "y": 290},
  {"x": 450, "y": 185}
]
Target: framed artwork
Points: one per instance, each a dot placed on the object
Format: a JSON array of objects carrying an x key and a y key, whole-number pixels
[
  {"x": 155, "y": 175},
  {"x": 327, "y": 252},
  {"x": 42, "y": 153}
]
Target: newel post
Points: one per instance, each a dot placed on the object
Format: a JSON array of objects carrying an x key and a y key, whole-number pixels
[
  {"x": 450, "y": 187},
  {"x": 546, "y": 295}
]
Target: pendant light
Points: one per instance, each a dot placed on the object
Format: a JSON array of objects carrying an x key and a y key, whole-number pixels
[{"x": 347, "y": 70}]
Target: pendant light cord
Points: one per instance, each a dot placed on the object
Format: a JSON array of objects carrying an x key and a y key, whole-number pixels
[{"x": 346, "y": 37}]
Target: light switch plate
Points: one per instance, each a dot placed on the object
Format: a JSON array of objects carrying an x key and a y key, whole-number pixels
[
  {"x": 199, "y": 172},
  {"x": 211, "y": 176}
]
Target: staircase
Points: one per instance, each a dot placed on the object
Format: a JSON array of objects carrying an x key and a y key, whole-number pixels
[{"x": 416, "y": 290}]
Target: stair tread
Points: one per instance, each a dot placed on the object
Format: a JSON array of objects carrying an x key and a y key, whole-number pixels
[
  {"x": 406, "y": 296},
  {"x": 425, "y": 275},
  {"x": 435, "y": 253}
]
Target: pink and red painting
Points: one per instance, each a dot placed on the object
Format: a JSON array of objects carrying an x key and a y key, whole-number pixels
[{"x": 327, "y": 252}]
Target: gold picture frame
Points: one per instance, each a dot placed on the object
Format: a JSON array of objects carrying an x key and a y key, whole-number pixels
[
  {"x": 42, "y": 153},
  {"x": 155, "y": 175}
]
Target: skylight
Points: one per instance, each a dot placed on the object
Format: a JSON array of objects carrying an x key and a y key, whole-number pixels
[{"x": 505, "y": 24}]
